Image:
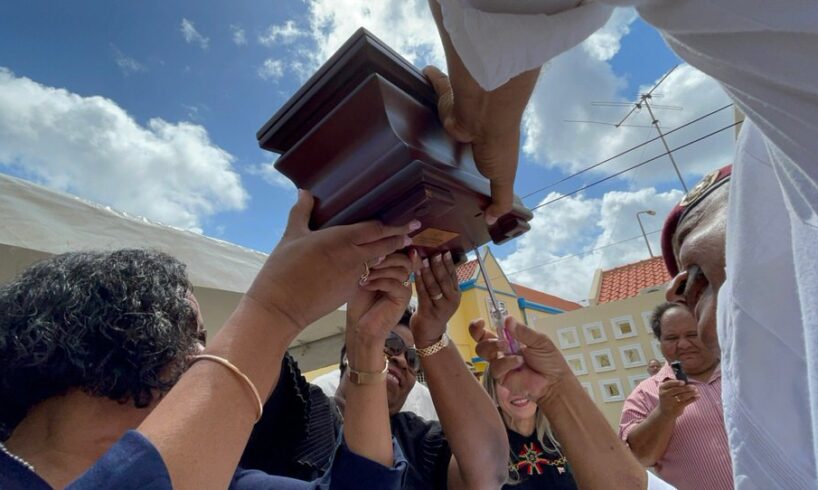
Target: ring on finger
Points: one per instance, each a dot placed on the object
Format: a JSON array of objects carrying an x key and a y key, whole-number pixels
[
  {"x": 365, "y": 275},
  {"x": 437, "y": 296},
  {"x": 678, "y": 400},
  {"x": 408, "y": 281}
]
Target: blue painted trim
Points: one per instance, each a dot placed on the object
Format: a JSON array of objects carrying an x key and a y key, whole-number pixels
[
  {"x": 525, "y": 304},
  {"x": 503, "y": 293},
  {"x": 466, "y": 285}
]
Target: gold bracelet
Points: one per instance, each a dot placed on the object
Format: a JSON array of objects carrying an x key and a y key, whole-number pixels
[
  {"x": 434, "y": 348},
  {"x": 365, "y": 378},
  {"x": 224, "y": 362}
]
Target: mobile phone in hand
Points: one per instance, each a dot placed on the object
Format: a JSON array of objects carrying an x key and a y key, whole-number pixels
[{"x": 678, "y": 371}]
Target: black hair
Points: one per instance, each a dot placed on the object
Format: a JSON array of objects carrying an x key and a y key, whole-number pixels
[
  {"x": 404, "y": 320},
  {"x": 656, "y": 317},
  {"x": 108, "y": 323}
]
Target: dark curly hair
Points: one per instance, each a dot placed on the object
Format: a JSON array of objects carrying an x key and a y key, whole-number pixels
[{"x": 112, "y": 324}]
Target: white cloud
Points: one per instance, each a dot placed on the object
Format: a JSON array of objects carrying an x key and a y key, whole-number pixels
[
  {"x": 91, "y": 147},
  {"x": 239, "y": 36},
  {"x": 545, "y": 257},
  {"x": 271, "y": 69},
  {"x": 281, "y": 34},
  {"x": 572, "y": 82},
  {"x": 126, "y": 64},
  {"x": 268, "y": 172},
  {"x": 406, "y": 26},
  {"x": 192, "y": 35}
]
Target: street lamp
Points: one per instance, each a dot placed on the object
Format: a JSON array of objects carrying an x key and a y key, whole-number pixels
[{"x": 644, "y": 235}]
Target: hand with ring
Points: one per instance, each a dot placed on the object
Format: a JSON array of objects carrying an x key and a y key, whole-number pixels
[
  {"x": 438, "y": 299},
  {"x": 675, "y": 396}
]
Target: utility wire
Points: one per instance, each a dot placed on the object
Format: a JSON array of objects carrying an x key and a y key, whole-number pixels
[
  {"x": 689, "y": 143},
  {"x": 625, "y": 152},
  {"x": 578, "y": 254}
]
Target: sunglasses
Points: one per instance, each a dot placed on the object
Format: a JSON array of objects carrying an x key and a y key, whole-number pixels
[{"x": 395, "y": 346}]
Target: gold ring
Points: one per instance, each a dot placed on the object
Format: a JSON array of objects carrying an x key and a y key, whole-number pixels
[
  {"x": 365, "y": 275},
  {"x": 437, "y": 296},
  {"x": 406, "y": 283}
]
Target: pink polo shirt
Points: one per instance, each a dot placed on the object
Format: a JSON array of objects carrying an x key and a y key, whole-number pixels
[{"x": 697, "y": 456}]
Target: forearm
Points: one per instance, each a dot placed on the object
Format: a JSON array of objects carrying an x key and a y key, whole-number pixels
[
  {"x": 648, "y": 440},
  {"x": 366, "y": 413},
  {"x": 202, "y": 425},
  {"x": 470, "y": 420},
  {"x": 505, "y": 104},
  {"x": 596, "y": 454}
]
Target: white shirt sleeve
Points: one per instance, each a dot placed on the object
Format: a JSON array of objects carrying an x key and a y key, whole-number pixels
[
  {"x": 656, "y": 483},
  {"x": 497, "y": 46}
]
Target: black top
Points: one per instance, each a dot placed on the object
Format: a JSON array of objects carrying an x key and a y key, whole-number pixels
[
  {"x": 539, "y": 466},
  {"x": 304, "y": 449}
]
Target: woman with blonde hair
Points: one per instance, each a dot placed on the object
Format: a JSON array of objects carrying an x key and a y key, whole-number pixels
[{"x": 535, "y": 458}]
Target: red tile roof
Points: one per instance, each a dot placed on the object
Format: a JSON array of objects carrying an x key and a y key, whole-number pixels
[
  {"x": 466, "y": 271},
  {"x": 626, "y": 281},
  {"x": 545, "y": 299}
]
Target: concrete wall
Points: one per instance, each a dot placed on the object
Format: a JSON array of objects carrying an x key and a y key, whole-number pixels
[{"x": 576, "y": 333}]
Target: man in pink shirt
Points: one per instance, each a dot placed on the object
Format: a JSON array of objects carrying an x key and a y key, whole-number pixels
[{"x": 678, "y": 427}]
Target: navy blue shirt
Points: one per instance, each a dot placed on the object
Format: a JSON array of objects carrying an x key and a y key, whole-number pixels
[{"x": 133, "y": 463}]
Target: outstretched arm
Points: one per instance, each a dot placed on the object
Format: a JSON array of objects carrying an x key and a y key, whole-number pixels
[{"x": 470, "y": 420}]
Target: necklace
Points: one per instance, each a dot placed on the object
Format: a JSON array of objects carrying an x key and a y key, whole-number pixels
[{"x": 16, "y": 458}]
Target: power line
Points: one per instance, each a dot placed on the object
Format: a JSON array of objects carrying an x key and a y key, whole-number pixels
[
  {"x": 549, "y": 186},
  {"x": 578, "y": 254},
  {"x": 638, "y": 165}
]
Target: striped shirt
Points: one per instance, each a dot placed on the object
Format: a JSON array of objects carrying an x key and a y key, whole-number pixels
[{"x": 698, "y": 455}]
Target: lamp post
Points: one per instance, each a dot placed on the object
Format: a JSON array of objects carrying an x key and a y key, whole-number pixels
[{"x": 644, "y": 235}]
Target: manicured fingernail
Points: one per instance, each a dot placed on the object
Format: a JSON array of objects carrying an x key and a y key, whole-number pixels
[
  {"x": 437, "y": 258},
  {"x": 377, "y": 261},
  {"x": 407, "y": 241},
  {"x": 490, "y": 219},
  {"x": 448, "y": 255},
  {"x": 426, "y": 263},
  {"x": 414, "y": 225}
]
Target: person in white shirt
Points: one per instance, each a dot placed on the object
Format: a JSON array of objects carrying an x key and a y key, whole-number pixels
[{"x": 765, "y": 54}]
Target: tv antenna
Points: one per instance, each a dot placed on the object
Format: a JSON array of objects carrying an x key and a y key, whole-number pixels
[{"x": 645, "y": 101}]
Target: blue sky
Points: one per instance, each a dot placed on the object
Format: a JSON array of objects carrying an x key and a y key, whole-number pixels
[{"x": 152, "y": 107}]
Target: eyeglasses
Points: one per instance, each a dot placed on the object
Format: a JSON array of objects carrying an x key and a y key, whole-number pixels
[{"x": 395, "y": 346}]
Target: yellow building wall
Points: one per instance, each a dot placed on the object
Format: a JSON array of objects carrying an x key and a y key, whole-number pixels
[
  {"x": 596, "y": 377},
  {"x": 474, "y": 303}
]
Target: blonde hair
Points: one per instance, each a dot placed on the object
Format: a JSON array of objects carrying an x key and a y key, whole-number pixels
[{"x": 542, "y": 427}]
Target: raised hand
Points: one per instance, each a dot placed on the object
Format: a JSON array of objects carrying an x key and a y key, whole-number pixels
[
  {"x": 311, "y": 273},
  {"x": 438, "y": 299},
  {"x": 534, "y": 373}
]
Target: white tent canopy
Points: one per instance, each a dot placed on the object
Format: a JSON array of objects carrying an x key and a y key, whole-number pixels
[{"x": 36, "y": 222}]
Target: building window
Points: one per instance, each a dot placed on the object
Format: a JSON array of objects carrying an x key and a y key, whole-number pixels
[
  {"x": 632, "y": 355},
  {"x": 589, "y": 388},
  {"x": 657, "y": 350},
  {"x": 603, "y": 360},
  {"x": 646, "y": 320},
  {"x": 636, "y": 379},
  {"x": 623, "y": 327},
  {"x": 577, "y": 363},
  {"x": 568, "y": 337},
  {"x": 594, "y": 333},
  {"x": 611, "y": 390}
]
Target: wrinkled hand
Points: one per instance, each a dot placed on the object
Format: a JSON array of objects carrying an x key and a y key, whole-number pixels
[
  {"x": 436, "y": 279},
  {"x": 674, "y": 396},
  {"x": 536, "y": 374},
  {"x": 490, "y": 121},
  {"x": 311, "y": 273}
]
